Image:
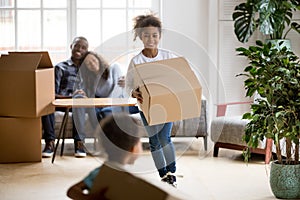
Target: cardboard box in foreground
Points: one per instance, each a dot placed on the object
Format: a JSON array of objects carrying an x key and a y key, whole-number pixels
[
  {"x": 113, "y": 183},
  {"x": 170, "y": 89},
  {"x": 20, "y": 140},
  {"x": 26, "y": 84}
]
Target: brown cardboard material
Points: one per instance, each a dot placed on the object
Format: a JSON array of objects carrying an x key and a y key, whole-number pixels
[
  {"x": 170, "y": 90},
  {"x": 117, "y": 184},
  {"x": 27, "y": 84},
  {"x": 20, "y": 140}
]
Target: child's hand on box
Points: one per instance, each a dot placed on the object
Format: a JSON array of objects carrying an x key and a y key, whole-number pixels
[{"x": 138, "y": 95}]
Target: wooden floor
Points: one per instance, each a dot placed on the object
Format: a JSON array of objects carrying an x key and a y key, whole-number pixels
[{"x": 200, "y": 175}]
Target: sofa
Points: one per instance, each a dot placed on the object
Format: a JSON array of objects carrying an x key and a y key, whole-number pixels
[{"x": 195, "y": 127}]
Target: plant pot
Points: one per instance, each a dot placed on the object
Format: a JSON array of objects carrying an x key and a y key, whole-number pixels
[{"x": 285, "y": 180}]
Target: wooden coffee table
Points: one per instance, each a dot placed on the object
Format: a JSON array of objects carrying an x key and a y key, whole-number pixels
[{"x": 84, "y": 103}]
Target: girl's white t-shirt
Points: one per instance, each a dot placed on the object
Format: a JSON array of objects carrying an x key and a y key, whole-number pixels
[{"x": 139, "y": 59}]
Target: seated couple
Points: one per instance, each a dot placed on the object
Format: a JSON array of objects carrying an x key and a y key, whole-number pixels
[{"x": 85, "y": 74}]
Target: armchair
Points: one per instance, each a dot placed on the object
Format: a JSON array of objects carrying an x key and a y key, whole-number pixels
[{"x": 227, "y": 132}]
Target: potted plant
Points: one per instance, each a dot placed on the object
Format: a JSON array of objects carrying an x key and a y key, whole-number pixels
[
  {"x": 273, "y": 18},
  {"x": 274, "y": 74}
]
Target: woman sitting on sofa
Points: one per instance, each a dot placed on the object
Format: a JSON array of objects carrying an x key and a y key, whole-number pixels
[{"x": 97, "y": 79}]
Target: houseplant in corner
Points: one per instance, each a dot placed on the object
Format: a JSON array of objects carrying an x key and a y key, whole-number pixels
[
  {"x": 274, "y": 73},
  {"x": 273, "y": 18}
]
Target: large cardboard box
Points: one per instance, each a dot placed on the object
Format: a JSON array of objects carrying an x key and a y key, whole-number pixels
[
  {"x": 26, "y": 84},
  {"x": 20, "y": 139},
  {"x": 170, "y": 90},
  {"x": 115, "y": 183}
]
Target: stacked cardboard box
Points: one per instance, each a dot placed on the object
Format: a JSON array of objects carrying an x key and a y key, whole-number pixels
[{"x": 27, "y": 86}]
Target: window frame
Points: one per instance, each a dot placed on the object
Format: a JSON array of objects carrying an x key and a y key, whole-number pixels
[{"x": 71, "y": 20}]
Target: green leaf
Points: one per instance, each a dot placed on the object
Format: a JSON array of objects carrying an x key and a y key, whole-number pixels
[
  {"x": 244, "y": 22},
  {"x": 295, "y": 26},
  {"x": 259, "y": 43},
  {"x": 247, "y": 116}
]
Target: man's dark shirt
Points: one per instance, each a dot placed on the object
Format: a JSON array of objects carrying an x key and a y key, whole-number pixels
[{"x": 65, "y": 77}]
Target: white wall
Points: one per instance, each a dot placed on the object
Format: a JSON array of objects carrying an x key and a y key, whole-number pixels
[
  {"x": 189, "y": 17},
  {"x": 193, "y": 31},
  {"x": 187, "y": 32},
  {"x": 202, "y": 31}
]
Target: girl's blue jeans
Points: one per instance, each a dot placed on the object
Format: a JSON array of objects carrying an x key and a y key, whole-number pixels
[{"x": 161, "y": 146}]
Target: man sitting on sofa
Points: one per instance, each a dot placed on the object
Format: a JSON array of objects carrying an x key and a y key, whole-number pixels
[{"x": 65, "y": 78}]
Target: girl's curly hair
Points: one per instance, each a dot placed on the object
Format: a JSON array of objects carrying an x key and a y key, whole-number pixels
[{"x": 142, "y": 21}]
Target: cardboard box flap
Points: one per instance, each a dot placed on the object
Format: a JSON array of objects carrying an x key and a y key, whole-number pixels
[
  {"x": 19, "y": 62},
  {"x": 167, "y": 75},
  {"x": 45, "y": 62},
  {"x": 174, "y": 84},
  {"x": 167, "y": 64}
]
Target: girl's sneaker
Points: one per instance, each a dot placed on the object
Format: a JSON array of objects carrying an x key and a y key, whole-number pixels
[{"x": 170, "y": 179}]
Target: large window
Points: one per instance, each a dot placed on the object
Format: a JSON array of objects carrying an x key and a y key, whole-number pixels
[{"x": 32, "y": 25}]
